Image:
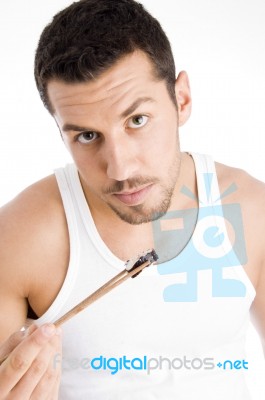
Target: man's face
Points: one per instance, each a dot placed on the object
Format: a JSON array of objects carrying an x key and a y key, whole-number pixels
[{"x": 122, "y": 132}]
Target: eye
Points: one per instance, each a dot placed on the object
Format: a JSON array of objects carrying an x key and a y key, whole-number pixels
[
  {"x": 137, "y": 121},
  {"x": 86, "y": 137}
]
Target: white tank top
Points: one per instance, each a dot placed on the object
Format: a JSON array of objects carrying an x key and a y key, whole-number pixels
[{"x": 175, "y": 332}]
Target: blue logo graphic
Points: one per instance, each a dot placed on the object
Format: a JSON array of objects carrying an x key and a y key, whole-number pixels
[
  {"x": 209, "y": 247},
  {"x": 231, "y": 365}
]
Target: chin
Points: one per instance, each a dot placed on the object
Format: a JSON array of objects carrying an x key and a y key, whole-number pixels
[{"x": 139, "y": 215}]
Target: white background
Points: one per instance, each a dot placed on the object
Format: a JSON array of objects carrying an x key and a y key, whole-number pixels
[{"x": 221, "y": 45}]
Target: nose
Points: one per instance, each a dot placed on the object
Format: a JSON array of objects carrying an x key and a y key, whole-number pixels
[{"x": 120, "y": 157}]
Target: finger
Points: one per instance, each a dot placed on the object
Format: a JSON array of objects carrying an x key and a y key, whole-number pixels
[
  {"x": 11, "y": 343},
  {"x": 47, "y": 387},
  {"x": 21, "y": 358},
  {"x": 56, "y": 389},
  {"x": 40, "y": 377},
  {"x": 30, "y": 329},
  {"x": 54, "y": 395}
]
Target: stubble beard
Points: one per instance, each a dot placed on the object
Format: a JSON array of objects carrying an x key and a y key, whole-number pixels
[{"x": 141, "y": 214}]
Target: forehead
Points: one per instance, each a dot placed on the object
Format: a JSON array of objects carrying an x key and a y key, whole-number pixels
[{"x": 133, "y": 75}]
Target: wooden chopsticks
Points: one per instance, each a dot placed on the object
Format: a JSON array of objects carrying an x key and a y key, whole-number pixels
[{"x": 132, "y": 269}]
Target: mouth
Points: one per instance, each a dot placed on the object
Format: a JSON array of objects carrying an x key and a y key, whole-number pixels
[{"x": 134, "y": 197}]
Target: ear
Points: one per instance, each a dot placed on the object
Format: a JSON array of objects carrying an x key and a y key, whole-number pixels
[{"x": 183, "y": 96}]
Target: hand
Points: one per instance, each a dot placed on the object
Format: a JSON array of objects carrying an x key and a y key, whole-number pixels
[{"x": 29, "y": 372}]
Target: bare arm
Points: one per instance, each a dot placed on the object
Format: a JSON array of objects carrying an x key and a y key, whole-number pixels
[
  {"x": 257, "y": 218},
  {"x": 34, "y": 242}
]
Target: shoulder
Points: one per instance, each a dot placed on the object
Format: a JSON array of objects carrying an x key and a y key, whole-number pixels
[
  {"x": 34, "y": 239},
  {"x": 248, "y": 191},
  {"x": 249, "y": 195},
  {"x": 32, "y": 212}
]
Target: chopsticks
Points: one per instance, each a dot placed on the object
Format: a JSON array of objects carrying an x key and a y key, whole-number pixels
[
  {"x": 132, "y": 269},
  {"x": 107, "y": 287}
]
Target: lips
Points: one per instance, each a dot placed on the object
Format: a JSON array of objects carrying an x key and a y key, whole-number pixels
[{"x": 133, "y": 198}]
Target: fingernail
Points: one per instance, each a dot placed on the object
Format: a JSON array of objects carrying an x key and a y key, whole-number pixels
[{"x": 48, "y": 330}]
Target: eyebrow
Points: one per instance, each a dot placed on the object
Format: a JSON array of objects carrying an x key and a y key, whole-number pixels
[
  {"x": 72, "y": 127},
  {"x": 135, "y": 105}
]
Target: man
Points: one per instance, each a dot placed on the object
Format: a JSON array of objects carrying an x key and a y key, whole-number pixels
[{"x": 105, "y": 72}]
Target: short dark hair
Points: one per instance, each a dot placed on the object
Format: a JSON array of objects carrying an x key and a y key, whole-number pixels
[{"x": 89, "y": 36}]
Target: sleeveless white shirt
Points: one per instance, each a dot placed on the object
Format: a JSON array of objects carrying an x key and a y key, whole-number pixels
[{"x": 175, "y": 332}]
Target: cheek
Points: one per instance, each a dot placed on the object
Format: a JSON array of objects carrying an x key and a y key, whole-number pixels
[
  {"x": 79, "y": 154},
  {"x": 85, "y": 163},
  {"x": 88, "y": 167},
  {"x": 165, "y": 144}
]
